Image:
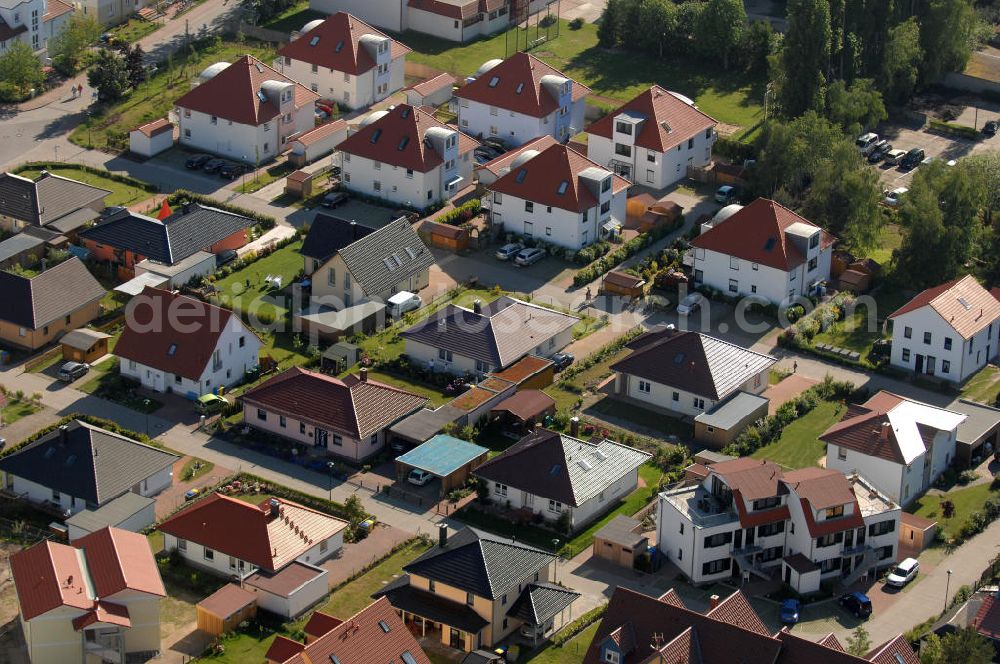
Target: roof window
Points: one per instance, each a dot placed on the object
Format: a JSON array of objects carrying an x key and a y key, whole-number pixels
[
  {"x": 769, "y": 245},
  {"x": 964, "y": 303},
  {"x": 562, "y": 187},
  {"x": 678, "y": 358},
  {"x": 494, "y": 81},
  {"x": 405, "y": 112},
  {"x": 583, "y": 464},
  {"x": 555, "y": 470},
  {"x": 403, "y": 142},
  {"x": 389, "y": 264},
  {"x": 376, "y": 134},
  {"x": 339, "y": 47},
  {"x": 314, "y": 40},
  {"x": 519, "y": 89},
  {"x": 260, "y": 68},
  {"x": 521, "y": 174},
  {"x": 172, "y": 350},
  {"x": 384, "y": 625},
  {"x": 408, "y": 658},
  {"x": 262, "y": 96}
]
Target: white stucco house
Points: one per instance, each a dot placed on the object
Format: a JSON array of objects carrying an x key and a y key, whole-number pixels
[
  {"x": 653, "y": 139},
  {"x": 519, "y": 99},
  {"x": 560, "y": 477},
  {"x": 407, "y": 157},
  {"x": 33, "y": 22},
  {"x": 902, "y": 446},
  {"x": 762, "y": 250},
  {"x": 559, "y": 196},
  {"x": 744, "y": 517},
  {"x": 950, "y": 331},
  {"x": 244, "y": 111},
  {"x": 151, "y": 138},
  {"x": 174, "y": 343},
  {"x": 345, "y": 60}
]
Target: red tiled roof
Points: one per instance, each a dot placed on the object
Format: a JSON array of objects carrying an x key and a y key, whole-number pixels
[
  {"x": 361, "y": 638},
  {"x": 830, "y": 641},
  {"x": 798, "y": 650},
  {"x": 623, "y": 279},
  {"x": 353, "y": 406},
  {"x": 963, "y": 304},
  {"x": 447, "y": 9},
  {"x": 526, "y": 404},
  {"x": 523, "y": 71},
  {"x": 320, "y": 623},
  {"x": 47, "y": 576},
  {"x": 251, "y": 533},
  {"x": 830, "y": 526},
  {"x": 759, "y": 517},
  {"x": 822, "y": 487},
  {"x": 736, "y": 610},
  {"x": 501, "y": 164},
  {"x": 336, "y": 44},
  {"x": 859, "y": 429},
  {"x": 987, "y": 620},
  {"x": 118, "y": 560},
  {"x": 894, "y": 651},
  {"x": 283, "y": 649},
  {"x": 406, "y": 127},
  {"x": 433, "y": 84},
  {"x": 757, "y": 234},
  {"x": 322, "y": 131},
  {"x": 171, "y": 332},
  {"x": 155, "y": 128},
  {"x": 232, "y": 94},
  {"x": 669, "y": 120},
  {"x": 753, "y": 478},
  {"x": 6, "y": 32},
  {"x": 103, "y": 612},
  {"x": 544, "y": 175},
  {"x": 525, "y": 368},
  {"x": 55, "y": 9},
  {"x": 227, "y": 600}
]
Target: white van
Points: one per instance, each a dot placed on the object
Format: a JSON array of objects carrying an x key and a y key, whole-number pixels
[
  {"x": 402, "y": 302},
  {"x": 866, "y": 142}
]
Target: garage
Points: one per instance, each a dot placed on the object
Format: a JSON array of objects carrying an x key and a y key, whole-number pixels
[
  {"x": 449, "y": 460},
  {"x": 621, "y": 541}
]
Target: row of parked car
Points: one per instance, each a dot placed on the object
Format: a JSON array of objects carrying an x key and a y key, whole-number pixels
[
  {"x": 209, "y": 164},
  {"x": 877, "y": 149},
  {"x": 520, "y": 255},
  {"x": 489, "y": 149}
]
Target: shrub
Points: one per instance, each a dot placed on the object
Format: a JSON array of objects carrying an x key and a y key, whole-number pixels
[
  {"x": 180, "y": 196},
  {"x": 953, "y": 129},
  {"x": 576, "y": 23},
  {"x": 967, "y": 476},
  {"x": 583, "y": 622}
]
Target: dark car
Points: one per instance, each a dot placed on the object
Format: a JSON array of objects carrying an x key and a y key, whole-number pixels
[
  {"x": 197, "y": 160},
  {"x": 486, "y": 152},
  {"x": 882, "y": 148},
  {"x": 790, "y": 611},
  {"x": 213, "y": 165},
  {"x": 562, "y": 360},
  {"x": 225, "y": 256},
  {"x": 73, "y": 370},
  {"x": 335, "y": 198},
  {"x": 857, "y": 603},
  {"x": 232, "y": 170},
  {"x": 495, "y": 143},
  {"x": 991, "y": 128},
  {"x": 912, "y": 159}
]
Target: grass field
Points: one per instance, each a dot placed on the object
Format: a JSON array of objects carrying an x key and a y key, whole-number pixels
[
  {"x": 727, "y": 96},
  {"x": 356, "y": 595},
  {"x": 12, "y": 412},
  {"x": 571, "y": 652},
  {"x": 121, "y": 193},
  {"x": 983, "y": 387},
  {"x": 293, "y": 18},
  {"x": 154, "y": 98},
  {"x": 799, "y": 445},
  {"x": 861, "y": 330},
  {"x": 134, "y": 29},
  {"x": 966, "y": 500},
  {"x": 259, "y": 298}
]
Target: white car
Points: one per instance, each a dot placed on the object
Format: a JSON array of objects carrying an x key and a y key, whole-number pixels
[
  {"x": 867, "y": 142},
  {"x": 402, "y": 302},
  {"x": 725, "y": 194},
  {"x": 530, "y": 256},
  {"x": 691, "y": 303},
  {"x": 508, "y": 251},
  {"x": 905, "y": 572},
  {"x": 419, "y": 477},
  {"x": 893, "y": 157},
  {"x": 894, "y": 198}
]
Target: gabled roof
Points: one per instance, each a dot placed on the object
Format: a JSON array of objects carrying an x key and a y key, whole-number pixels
[
  {"x": 963, "y": 303},
  {"x": 539, "y": 602},
  {"x": 192, "y": 228},
  {"x": 559, "y": 467},
  {"x": 501, "y": 165},
  {"x": 321, "y": 132},
  {"x": 987, "y": 619},
  {"x": 736, "y": 610},
  {"x": 355, "y": 406},
  {"x": 50, "y": 575},
  {"x": 517, "y": 86},
  {"x": 327, "y": 235},
  {"x": 526, "y": 404},
  {"x": 480, "y": 563},
  {"x": 235, "y": 93},
  {"x": 397, "y": 138},
  {"x": 155, "y": 127},
  {"x": 386, "y": 257},
  {"x": 34, "y": 302},
  {"x": 894, "y": 651},
  {"x": 185, "y": 349},
  {"x": 555, "y": 177},
  {"x": 505, "y": 331},
  {"x": 757, "y": 234},
  {"x": 798, "y": 650},
  {"x": 692, "y": 362},
  {"x": 336, "y": 44},
  {"x": 822, "y": 487},
  {"x": 667, "y": 120},
  {"x": 46, "y": 199},
  {"x": 891, "y": 427},
  {"x": 754, "y": 479},
  {"x": 320, "y": 623},
  {"x": 433, "y": 84},
  {"x": 86, "y": 462},
  {"x": 270, "y": 535}
]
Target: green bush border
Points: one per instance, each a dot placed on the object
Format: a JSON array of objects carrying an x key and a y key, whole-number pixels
[
  {"x": 100, "y": 172},
  {"x": 101, "y": 422},
  {"x": 560, "y": 638},
  {"x": 181, "y": 196},
  {"x": 953, "y": 128},
  {"x": 624, "y": 252}
]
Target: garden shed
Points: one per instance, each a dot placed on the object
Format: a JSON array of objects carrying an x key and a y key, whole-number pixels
[
  {"x": 622, "y": 283},
  {"x": 84, "y": 345},
  {"x": 444, "y": 236},
  {"x": 339, "y": 357},
  {"x": 299, "y": 184},
  {"x": 621, "y": 541},
  {"x": 225, "y": 609},
  {"x": 152, "y": 138}
]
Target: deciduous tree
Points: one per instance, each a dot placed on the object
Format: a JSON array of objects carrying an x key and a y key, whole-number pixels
[
  {"x": 964, "y": 645},
  {"x": 68, "y": 47},
  {"x": 901, "y": 66},
  {"x": 844, "y": 198},
  {"x": 805, "y": 56},
  {"x": 720, "y": 29},
  {"x": 20, "y": 68},
  {"x": 857, "y": 107},
  {"x": 109, "y": 76},
  {"x": 946, "y": 36}
]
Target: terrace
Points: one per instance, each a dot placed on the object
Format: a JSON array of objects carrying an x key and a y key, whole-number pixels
[{"x": 699, "y": 506}]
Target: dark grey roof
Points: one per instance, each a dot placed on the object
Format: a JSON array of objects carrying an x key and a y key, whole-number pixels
[
  {"x": 60, "y": 290},
  {"x": 189, "y": 230},
  {"x": 46, "y": 199},
  {"x": 505, "y": 331},
  {"x": 482, "y": 657},
  {"x": 423, "y": 424},
  {"x": 405, "y": 597},
  {"x": 623, "y": 530},
  {"x": 74, "y": 220},
  {"x": 19, "y": 244},
  {"x": 729, "y": 413},
  {"x": 541, "y": 601},
  {"x": 480, "y": 563},
  {"x": 86, "y": 462},
  {"x": 982, "y": 420},
  {"x": 329, "y": 234},
  {"x": 386, "y": 257},
  {"x": 112, "y": 513}
]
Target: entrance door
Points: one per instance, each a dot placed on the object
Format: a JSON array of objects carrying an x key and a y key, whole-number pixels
[
  {"x": 931, "y": 362},
  {"x": 455, "y": 639},
  {"x": 918, "y": 365},
  {"x": 321, "y": 437},
  {"x": 738, "y": 539}
]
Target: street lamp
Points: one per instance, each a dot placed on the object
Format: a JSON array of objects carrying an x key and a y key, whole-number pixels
[
  {"x": 555, "y": 551},
  {"x": 145, "y": 406},
  {"x": 947, "y": 585},
  {"x": 331, "y": 465}
]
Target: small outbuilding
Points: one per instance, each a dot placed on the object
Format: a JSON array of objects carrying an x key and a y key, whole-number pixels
[
  {"x": 519, "y": 413},
  {"x": 299, "y": 184},
  {"x": 623, "y": 283},
  {"x": 152, "y": 138},
  {"x": 802, "y": 574},
  {"x": 424, "y": 424},
  {"x": 339, "y": 357},
  {"x": 916, "y": 533},
  {"x": 531, "y": 372},
  {"x": 84, "y": 345},
  {"x": 621, "y": 541},
  {"x": 448, "y": 458},
  {"x": 223, "y": 611},
  {"x": 977, "y": 435},
  {"x": 317, "y": 143},
  {"x": 718, "y": 427},
  {"x": 289, "y": 592},
  {"x": 432, "y": 92},
  {"x": 326, "y": 324},
  {"x": 444, "y": 236}
]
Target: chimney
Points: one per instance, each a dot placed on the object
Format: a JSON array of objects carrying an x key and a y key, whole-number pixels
[
  {"x": 275, "y": 506},
  {"x": 477, "y": 307},
  {"x": 354, "y": 229},
  {"x": 442, "y": 535},
  {"x": 574, "y": 426},
  {"x": 363, "y": 373},
  {"x": 884, "y": 431},
  {"x": 713, "y": 602},
  {"x": 63, "y": 433}
]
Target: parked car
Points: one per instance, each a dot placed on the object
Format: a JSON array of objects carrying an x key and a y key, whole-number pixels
[
  {"x": 213, "y": 165},
  {"x": 562, "y": 360},
  {"x": 225, "y": 256},
  {"x": 488, "y": 152},
  {"x": 402, "y": 302},
  {"x": 197, "y": 160},
  {"x": 335, "y": 198},
  {"x": 691, "y": 303},
  {"x": 894, "y": 198},
  {"x": 497, "y": 144},
  {"x": 893, "y": 157},
  {"x": 867, "y": 142},
  {"x": 789, "y": 611},
  {"x": 904, "y": 572},
  {"x": 191, "y": 495},
  {"x": 70, "y": 371},
  {"x": 508, "y": 251},
  {"x": 419, "y": 477},
  {"x": 912, "y": 159},
  {"x": 991, "y": 128},
  {"x": 233, "y": 169},
  {"x": 481, "y": 158},
  {"x": 857, "y": 603},
  {"x": 725, "y": 194},
  {"x": 530, "y": 256},
  {"x": 880, "y": 150},
  {"x": 210, "y": 403}
]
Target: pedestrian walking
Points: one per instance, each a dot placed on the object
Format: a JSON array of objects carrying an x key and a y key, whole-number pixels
[{"x": 795, "y": 366}]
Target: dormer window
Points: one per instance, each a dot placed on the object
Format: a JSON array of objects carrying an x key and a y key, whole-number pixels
[
  {"x": 606, "y": 185},
  {"x": 623, "y": 127},
  {"x": 610, "y": 655},
  {"x": 834, "y": 512},
  {"x": 814, "y": 241},
  {"x": 314, "y": 40}
]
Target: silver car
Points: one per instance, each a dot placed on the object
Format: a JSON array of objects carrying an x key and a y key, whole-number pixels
[{"x": 530, "y": 256}]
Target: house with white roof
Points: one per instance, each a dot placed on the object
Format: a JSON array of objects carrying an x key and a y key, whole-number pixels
[
  {"x": 519, "y": 99},
  {"x": 653, "y": 139},
  {"x": 902, "y": 446},
  {"x": 950, "y": 331}
]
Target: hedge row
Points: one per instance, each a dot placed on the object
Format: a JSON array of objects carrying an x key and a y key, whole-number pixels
[
  {"x": 734, "y": 150},
  {"x": 597, "y": 356},
  {"x": 462, "y": 214},
  {"x": 623, "y": 253},
  {"x": 181, "y": 196},
  {"x": 954, "y": 129},
  {"x": 110, "y": 425},
  {"x": 322, "y": 504},
  {"x": 101, "y": 172},
  {"x": 560, "y": 638}
]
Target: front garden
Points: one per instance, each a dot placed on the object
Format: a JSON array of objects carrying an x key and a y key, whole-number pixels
[{"x": 125, "y": 191}]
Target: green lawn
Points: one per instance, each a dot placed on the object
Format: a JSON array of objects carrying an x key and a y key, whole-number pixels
[
  {"x": 856, "y": 333},
  {"x": 134, "y": 29},
  {"x": 966, "y": 500},
  {"x": 121, "y": 193},
  {"x": 436, "y": 396},
  {"x": 892, "y": 238},
  {"x": 356, "y": 595},
  {"x": 107, "y": 383},
  {"x": 14, "y": 411},
  {"x": 259, "y": 298},
  {"x": 983, "y": 387},
  {"x": 262, "y": 177},
  {"x": 154, "y": 98},
  {"x": 195, "y": 468},
  {"x": 730, "y": 97},
  {"x": 799, "y": 445},
  {"x": 625, "y": 413},
  {"x": 571, "y": 652},
  {"x": 293, "y": 18}
]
